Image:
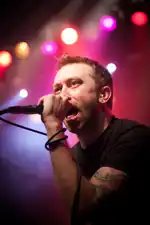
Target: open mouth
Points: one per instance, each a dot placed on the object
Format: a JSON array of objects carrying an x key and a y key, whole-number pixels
[{"x": 72, "y": 113}]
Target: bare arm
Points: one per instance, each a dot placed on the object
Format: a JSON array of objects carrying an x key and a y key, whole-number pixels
[{"x": 105, "y": 181}]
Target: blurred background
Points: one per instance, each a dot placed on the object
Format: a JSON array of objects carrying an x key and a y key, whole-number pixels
[{"x": 33, "y": 35}]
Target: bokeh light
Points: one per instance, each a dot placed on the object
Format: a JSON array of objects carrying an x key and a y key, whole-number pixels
[
  {"x": 5, "y": 59},
  {"x": 49, "y": 48},
  {"x": 69, "y": 36},
  {"x": 139, "y": 18},
  {"x": 108, "y": 23},
  {"x": 22, "y": 50},
  {"x": 23, "y": 93},
  {"x": 111, "y": 67}
]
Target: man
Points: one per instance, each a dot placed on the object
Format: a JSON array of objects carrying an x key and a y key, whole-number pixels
[{"x": 111, "y": 155}]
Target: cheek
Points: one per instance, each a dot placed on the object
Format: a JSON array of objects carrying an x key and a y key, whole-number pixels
[
  {"x": 89, "y": 96},
  {"x": 85, "y": 97},
  {"x": 88, "y": 102}
]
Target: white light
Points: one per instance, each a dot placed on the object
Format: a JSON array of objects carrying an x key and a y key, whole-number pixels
[
  {"x": 111, "y": 67},
  {"x": 36, "y": 118},
  {"x": 23, "y": 93},
  {"x": 69, "y": 36}
]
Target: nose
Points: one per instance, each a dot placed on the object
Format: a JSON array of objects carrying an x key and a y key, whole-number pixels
[{"x": 65, "y": 93}]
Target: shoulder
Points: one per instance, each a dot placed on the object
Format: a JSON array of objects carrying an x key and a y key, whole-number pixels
[
  {"x": 133, "y": 131},
  {"x": 130, "y": 145},
  {"x": 126, "y": 129}
]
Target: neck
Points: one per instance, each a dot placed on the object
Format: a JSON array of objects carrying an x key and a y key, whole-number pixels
[{"x": 94, "y": 129}]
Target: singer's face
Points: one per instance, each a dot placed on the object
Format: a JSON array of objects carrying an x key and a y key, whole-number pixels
[{"x": 76, "y": 81}]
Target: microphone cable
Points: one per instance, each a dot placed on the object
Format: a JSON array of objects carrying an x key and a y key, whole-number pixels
[
  {"x": 30, "y": 109},
  {"x": 23, "y": 127}
]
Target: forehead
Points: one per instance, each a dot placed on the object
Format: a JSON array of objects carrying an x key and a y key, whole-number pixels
[{"x": 74, "y": 70}]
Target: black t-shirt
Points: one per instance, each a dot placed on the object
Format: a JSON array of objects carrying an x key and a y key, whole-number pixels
[{"x": 124, "y": 145}]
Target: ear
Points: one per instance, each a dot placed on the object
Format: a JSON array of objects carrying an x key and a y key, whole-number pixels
[{"x": 105, "y": 94}]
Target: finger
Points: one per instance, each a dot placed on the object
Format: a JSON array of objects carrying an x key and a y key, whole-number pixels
[
  {"x": 57, "y": 105},
  {"x": 41, "y": 100}
]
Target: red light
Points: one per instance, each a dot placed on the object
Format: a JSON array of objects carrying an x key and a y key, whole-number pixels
[
  {"x": 5, "y": 59},
  {"x": 139, "y": 18}
]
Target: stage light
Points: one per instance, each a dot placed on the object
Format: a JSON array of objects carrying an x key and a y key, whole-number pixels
[
  {"x": 108, "y": 23},
  {"x": 111, "y": 67},
  {"x": 139, "y": 18},
  {"x": 49, "y": 48},
  {"x": 69, "y": 36},
  {"x": 23, "y": 93},
  {"x": 5, "y": 59},
  {"x": 22, "y": 50}
]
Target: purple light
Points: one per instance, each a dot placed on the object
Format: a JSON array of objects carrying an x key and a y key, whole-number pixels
[
  {"x": 49, "y": 48},
  {"x": 108, "y": 23}
]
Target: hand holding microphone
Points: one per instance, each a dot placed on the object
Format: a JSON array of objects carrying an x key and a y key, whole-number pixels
[
  {"x": 55, "y": 108},
  {"x": 48, "y": 105}
]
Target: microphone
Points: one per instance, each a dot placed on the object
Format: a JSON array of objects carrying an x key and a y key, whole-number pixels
[{"x": 29, "y": 109}]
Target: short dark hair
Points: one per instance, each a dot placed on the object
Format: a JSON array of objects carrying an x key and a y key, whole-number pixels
[{"x": 101, "y": 74}]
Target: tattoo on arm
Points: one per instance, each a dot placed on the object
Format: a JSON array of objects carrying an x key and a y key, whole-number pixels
[
  {"x": 106, "y": 177},
  {"x": 107, "y": 180}
]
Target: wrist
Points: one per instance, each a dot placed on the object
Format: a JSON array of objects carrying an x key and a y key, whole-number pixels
[
  {"x": 52, "y": 131},
  {"x": 53, "y": 126},
  {"x": 51, "y": 121},
  {"x": 56, "y": 140},
  {"x": 56, "y": 145}
]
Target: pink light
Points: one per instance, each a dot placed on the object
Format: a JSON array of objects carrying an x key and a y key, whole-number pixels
[
  {"x": 139, "y": 18},
  {"x": 49, "y": 48},
  {"x": 108, "y": 23}
]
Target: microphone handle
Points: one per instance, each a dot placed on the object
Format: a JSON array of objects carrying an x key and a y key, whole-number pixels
[{"x": 29, "y": 109}]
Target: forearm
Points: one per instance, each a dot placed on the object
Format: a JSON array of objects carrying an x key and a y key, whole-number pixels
[
  {"x": 64, "y": 168},
  {"x": 65, "y": 173}
]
